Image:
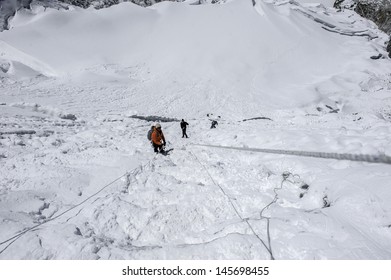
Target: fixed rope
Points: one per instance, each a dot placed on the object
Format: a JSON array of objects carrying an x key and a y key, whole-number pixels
[
  {"x": 381, "y": 158},
  {"x": 285, "y": 177},
  {"x": 57, "y": 216},
  {"x": 268, "y": 248},
  {"x": 17, "y": 236}
]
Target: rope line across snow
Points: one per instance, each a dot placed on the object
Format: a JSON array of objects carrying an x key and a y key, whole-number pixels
[
  {"x": 268, "y": 248},
  {"x": 17, "y": 236},
  {"x": 285, "y": 177},
  {"x": 381, "y": 158},
  {"x": 57, "y": 216}
]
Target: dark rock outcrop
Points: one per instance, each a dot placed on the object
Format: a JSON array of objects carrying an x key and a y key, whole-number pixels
[
  {"x": 379, "y": 11},
  {"x": 8, "y": 8}
]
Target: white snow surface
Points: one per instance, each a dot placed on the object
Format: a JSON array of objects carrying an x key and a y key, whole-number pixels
[{"x": 73, "y": 81}]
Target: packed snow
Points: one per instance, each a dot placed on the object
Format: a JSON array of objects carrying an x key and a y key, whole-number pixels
[{"x": 81, "y": 88}]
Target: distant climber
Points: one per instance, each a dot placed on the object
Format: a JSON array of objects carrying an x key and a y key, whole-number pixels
[
  {"x": 158, "y": 140},
  {"x": 214, "y": 123},
  {"x": 183, "y": 127}
]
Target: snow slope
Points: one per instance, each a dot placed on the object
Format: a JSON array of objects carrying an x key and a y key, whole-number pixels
[
  {"x": 73, "y": 83},
  {"x": 269, "y": 58}
]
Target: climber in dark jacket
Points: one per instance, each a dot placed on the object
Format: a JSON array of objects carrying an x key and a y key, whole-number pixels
[
  {"x": 183, "y": 127},
  {"x": 214, "y": 123}
]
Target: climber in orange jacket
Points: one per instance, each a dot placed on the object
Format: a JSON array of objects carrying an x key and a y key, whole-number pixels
[{"x": 158, "y": 140}]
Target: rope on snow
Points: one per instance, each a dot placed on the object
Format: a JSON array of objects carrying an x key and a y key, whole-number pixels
[
  {"x": 20, "y": 234},
  {"x": 268, "y": 248},
  {"x": 285, "y": 177},
  {"x": 57, "y": 216},
  {"x": 380, "y": 158}
]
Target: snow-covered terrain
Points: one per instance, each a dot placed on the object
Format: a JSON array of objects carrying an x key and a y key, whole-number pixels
[{"x": 80, "y": 89}]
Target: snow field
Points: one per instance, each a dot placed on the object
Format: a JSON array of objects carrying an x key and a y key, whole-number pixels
[
  {"x": 172, "y": 207},
  {"x": 320, "y": 91}
]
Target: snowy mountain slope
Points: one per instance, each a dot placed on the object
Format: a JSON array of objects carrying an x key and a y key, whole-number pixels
[
  {"x": 73, "y": 150},
  {"x": 278, "y": 52}
]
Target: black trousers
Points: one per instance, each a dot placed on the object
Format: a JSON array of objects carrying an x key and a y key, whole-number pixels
[
  {"x": 157, "y": 148},
  {"x": 184, "y": 133}
]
